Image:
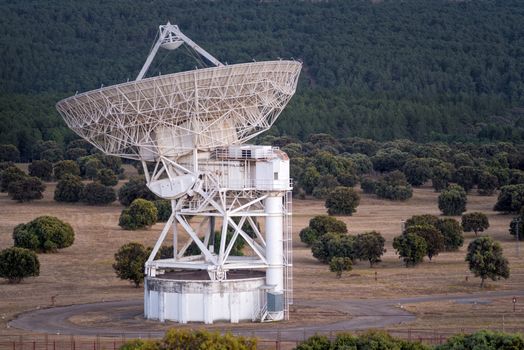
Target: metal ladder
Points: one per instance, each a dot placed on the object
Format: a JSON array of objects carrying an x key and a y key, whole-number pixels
[{"x": 288, "y": 253}]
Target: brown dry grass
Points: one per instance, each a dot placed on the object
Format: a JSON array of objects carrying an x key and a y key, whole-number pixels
[{"x": 82, "y": 273}]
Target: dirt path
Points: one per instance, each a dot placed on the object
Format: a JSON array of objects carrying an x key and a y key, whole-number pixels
[{"x": 126, "y": 317}]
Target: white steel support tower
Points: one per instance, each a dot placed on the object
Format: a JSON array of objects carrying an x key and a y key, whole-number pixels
[{"x": 189, "y": 131}]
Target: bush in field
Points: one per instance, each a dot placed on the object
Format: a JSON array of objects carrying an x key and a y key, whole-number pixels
[
  {"x": 433, "y": 237},
  {"x": 425, "y": 219},
  {"x": 485, "y": 340},
  {"x": 163, "y": 207},
  {"x": 370, "y": 340},
  {"x": 389, "y": 159},
  {"x": 394, "y": 186},
  {"x": 411, "y": 248},
  {"x": 465, "y": 176},
  {"x": 442, "y": 174},
  {"x": 129, "y": 262},
  {"x": 41, "y": 169},
  {"x": 452, "y": 201},
  {"x": 333, "y": 245},
  {"x": 448, "y": 227},
  {"x": 417, "y": 171},
  {"x": 69, "y": 189},
  {"x": 476, "y": 222},
  {"x": 140, "y": 214},
  {"x": 44, "y": 234},
  {"x": 182, "y": 339},
  {"x": 18, "y": 263},
  {"x": 8, "y": 175},
  {"x": 339, "y": 265},
  {"x": 107, "y": 177},
  {"x": 486, "y": 260},
  {"x": 452, "y": 232},
  {"x": 97, "y": 194},
  {"x": 319, "y": 226},
  {"x": 60, "y": 169},
  {"x": 510, "y": 199},
  {"x": 369, "y": 246},
  {"x": 75, "y": 153},
  {"x": 309, "y": 179},
  {"x": 133, "y": 189},
  {"x": 342, "y": 201},
  {"x": 368, "y": 185},
  {"x": 487, "y": 184},
  {"x": 26, "y": 189},
  {"x": 9, "y": 153}
]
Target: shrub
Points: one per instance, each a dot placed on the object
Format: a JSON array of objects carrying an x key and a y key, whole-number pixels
[
  {"x": 442, "y": 174},
  {"x": 452, "y": 201},
  {"x": 485, "y": 260},
  {"x": 394, "y": 186},
  {"x": 425, "y": 219},
  {"x": 17, "y": 264},
  {"x": 133, "y": 189},
  {"x": 362, "y": 163},
  {"x": 309, "y": 179},
  {"x": 107, "y": 177},
  {"x": 129, "y": 262},
  {"x": 486, "y": 340},
  {"x": 52, "y": 155},
  {"x": 347, "y": 179},
  {"x": 42, "y": 169},
  {"x": 368, "y": 185},
  {"x": 326, "y": 184},
  {"x": 45, "y": 234},
  {"x": 64, "y": 167},
  {"x": 370, "y": 246},
  {"x": 371, "y": 340},
  {"x": 433, "y": 237},
  {"x": 452, "y": 232},
  {"x": 69, "y": 189},
  {"x": 476, "y": 222},
  {"x": 342, "y": 201},
  {"x": 9, "y": 153},
  {"x": 8, "y": 175},
  {"x": 26, "y": 189},
  {"x": 176, "y": 339},
  {"x": 487, "y": 184},
  {"x": 417, "y": 171},
  {"x": 324, "y": 224},
  {"x": 389, "y": 159},
  {"x": 339, "y": 265},
  {"x": 510, "y": 199},
  {"x": 308, "y": 235},
  {"x": 465, "y": 177},
  {"x": 448, "y": 227},
  {"x": 95, "y": 193},
  {"x": 75, "y": 153},
  {"x": 316, "y": 342},
  {"x": 140, "y": 214},
  {"x": 163, "y": 207},
  {"x": 411, "y": 248},
  {"x": 334, "y": 245},
  {"x": 91, "y": 168}
]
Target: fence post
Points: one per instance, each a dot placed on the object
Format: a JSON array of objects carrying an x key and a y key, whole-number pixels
[{"x": 14, "y": 345}]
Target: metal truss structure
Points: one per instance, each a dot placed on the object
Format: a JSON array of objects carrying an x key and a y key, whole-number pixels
[{"x": 187, "y": 129}]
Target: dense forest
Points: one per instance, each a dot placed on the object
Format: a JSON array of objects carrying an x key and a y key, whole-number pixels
[{"x": 423, "y": 70}]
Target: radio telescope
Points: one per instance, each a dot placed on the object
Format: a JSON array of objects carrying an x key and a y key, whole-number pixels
[{"x": 189, "y": 130}]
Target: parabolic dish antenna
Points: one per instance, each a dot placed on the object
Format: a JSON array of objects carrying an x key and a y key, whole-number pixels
[
  {"x": 170, "y": 115},
  {"x": 192, "y": 126}
]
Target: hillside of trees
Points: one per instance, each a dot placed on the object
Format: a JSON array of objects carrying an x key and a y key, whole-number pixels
[{"x": 421, "y": 70}]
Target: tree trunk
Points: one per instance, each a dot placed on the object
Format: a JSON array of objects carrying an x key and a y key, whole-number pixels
[{"x": 482, "y": 282}]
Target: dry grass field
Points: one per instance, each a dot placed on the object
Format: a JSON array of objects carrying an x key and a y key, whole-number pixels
[{"x": 82, "y": 273}]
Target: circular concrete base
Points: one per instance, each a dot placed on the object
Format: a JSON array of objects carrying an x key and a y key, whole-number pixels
[{"x": 190, "y": 296}]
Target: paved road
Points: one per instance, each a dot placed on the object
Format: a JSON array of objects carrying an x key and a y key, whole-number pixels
[{"x": 365, "y": 313}]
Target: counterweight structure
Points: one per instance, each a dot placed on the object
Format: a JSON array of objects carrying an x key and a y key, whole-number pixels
[{"x": 189, "y": 131}]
